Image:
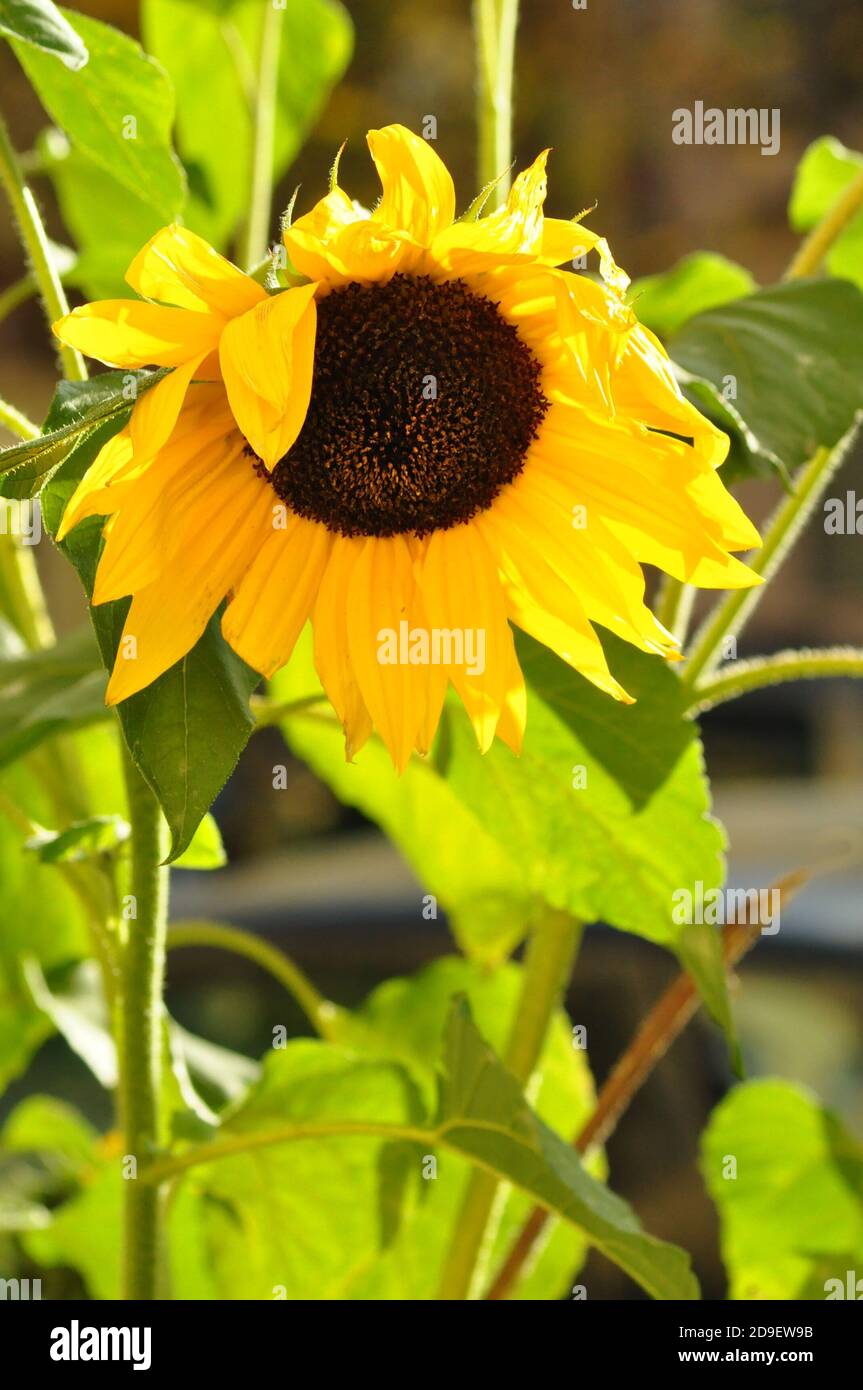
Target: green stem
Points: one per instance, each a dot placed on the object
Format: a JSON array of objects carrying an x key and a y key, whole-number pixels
[
  {"x": 286, "y": 1134},
  {"x": 811, "y": 254},
  {"x": 22, "y": 601},
  {"x": 16, "y": 421},
  {"x": 743, "y": 676},
  {"x": 257, "y": 230},
  {"x": 140, "y": 1028},
  {"x": 16, "y": 294},
  {"x": 728, "y": 618},
  {"x": 320, "y": 1012},
  {"x": 674, "y": 608},
  {"x": 36, "y": 246},
  {"x": 548, "y": 965},
  {"x": 269, "y": 712},
  {"x": 495, "y": 23}
]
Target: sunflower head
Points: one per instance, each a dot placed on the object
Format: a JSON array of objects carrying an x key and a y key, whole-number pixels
[{"x": 444, "y": 432}]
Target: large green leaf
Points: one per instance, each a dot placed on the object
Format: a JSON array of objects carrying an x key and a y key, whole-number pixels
[
  {"x": 40, "y": 23},
  {"x": 106, "y": 247},
  {"x": 787, "y": 1179},
  {"x": 118, "y": 111},
  {"x": 823, "y": 174},
  {"x": 784, "y": 365},
  {"x": 209, "y": 52},
  {"x": 266, "y": 1234},
  {"x": 405, "y": 1019},
  {"x": 700, "y": 281},
  {"x": 615, "y": 848}
]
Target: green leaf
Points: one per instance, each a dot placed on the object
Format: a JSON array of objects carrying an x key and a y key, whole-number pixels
[
  {"x": 85, "y": 839},
  {"x": 53, "y": 1129},
  {"x": 85, "y": 1234},
  {"x": 264, "y": 1233},
  {"x": 700, "y": 281},
  {"x": 49, "y": 692},
  {"x": 205, "y": 849},
  {"x": 210, "y": 53},
  {"x": 84, "y": 190},
  {"x": 405, "y": 1019},
  {"x": 267, "y": 1236},
  {"x": 77, "y": 1010},
  {"x": 793, "y": 358},
  {"x": 485, "y": 1116},
  {"x": 823, "y": 174},
  {"x": 118, "y": 111},
  {"x": 40, "y": 915},
  {"x": 40, "y": 23},
  {"x": 787, "y": 1179},
  {"x": 79, "y": 409},
  {"x": 484, "y": 893},
  {"x": 186, "y": 731},
  {"x": 617, "y": 847}
]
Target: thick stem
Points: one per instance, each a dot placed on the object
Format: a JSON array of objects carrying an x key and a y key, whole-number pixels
[
  {"x": 548, "y": 965},
  {"x": 319, "y": 1011},
  {"x": 811, "y": 254},
  {"x": 140, "y": 1027},
  {"x": 257, "y": 231},
  {"x": 728, "y": 618},
  {"x": 495, "y": 23},
  {"x": 743, "y": 676},
  {"x": 36, "y": 246}
]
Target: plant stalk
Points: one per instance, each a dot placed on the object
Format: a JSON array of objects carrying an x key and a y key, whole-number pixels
[
  {"x": 743, "y": 676},
  {"x": 140, "y": 1026},
  {"x": 819, "y": 241},
  {"x": 257, "y": 231},
  {"x": 38, "y": 251},
  {"x": 728, "y": 618},
  {"x": 318, "y": 1010},
  {"x": 495, "y": 23}
]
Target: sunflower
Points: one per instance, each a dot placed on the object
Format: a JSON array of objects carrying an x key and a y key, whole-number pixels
[{"x": 443, "y": 431}]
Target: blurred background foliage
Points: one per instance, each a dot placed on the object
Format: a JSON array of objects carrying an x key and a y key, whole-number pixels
[{"x": 600, "y": 87}]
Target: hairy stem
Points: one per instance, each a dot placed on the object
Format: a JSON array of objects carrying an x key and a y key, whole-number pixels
[
  {"x": 805, "y": 665},
  {"x": 319, "y": 1011},
  {"x": 257, "y": 229},
  {"x": 495, "y": 23},
  {"x": 38, "y": 251},
  {"x": 140, "y": 1028},
  {"x": 786, "y": 524},
  {"x": 548, "y": 965}
]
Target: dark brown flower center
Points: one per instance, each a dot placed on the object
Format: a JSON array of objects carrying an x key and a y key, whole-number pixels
[{"x": 424, "y": 404}]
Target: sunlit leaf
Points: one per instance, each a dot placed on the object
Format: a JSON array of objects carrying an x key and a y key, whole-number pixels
[{"x": 787, "y": 1179}]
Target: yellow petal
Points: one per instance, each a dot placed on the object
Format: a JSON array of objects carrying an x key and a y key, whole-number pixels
[
  {"x": 267, "y": 357},
  {"x": 125, "y": 333},
  {"x": 211, "y": 546},
  {"x": 332, "y": 658},
  {"x": 380, "y": 600},
  {"x": 91, "y": 496},
  {"x": 155, "y": 414},
  {"x": 463, "y": 597},
  {"x": 418, "y": 194},
  {"x": 276, "y": 595},
  {"x": 178, "y": 267}
]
